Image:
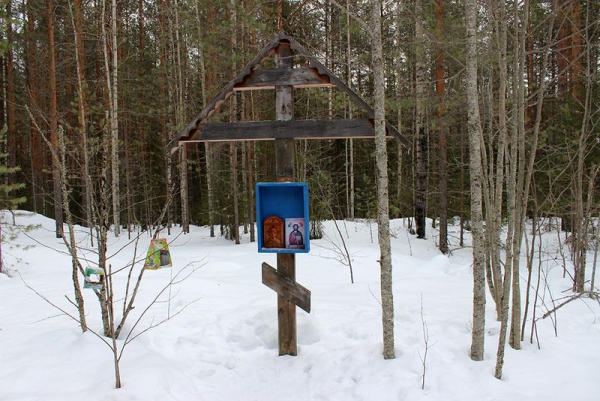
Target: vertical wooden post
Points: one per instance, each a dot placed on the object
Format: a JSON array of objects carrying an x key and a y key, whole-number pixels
[
  {"x": 284, "y": 154},
  {"x": 286, "y": 310}
]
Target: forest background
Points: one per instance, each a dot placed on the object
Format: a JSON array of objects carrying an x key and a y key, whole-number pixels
[
  {"x": 118, "y": 80},
  {"x": 93, "y": 91}
]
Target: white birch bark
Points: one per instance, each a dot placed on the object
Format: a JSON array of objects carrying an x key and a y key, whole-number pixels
[
  {"x": 116, "y": 193},
  {"x": 111, "y": 84},
  {"x": 387, "y": 297},
  {"x": 399, "y": 73},
  {"x": 474, "y": 129},
  {"x": 503, "y": 290},
  {"x": 519, "y": 193}
]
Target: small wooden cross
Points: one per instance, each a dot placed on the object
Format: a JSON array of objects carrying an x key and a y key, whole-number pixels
[{"x": 289, "y": 295}]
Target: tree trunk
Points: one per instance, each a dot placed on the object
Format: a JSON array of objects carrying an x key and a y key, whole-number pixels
[
  {"x": 37, "y": 153},
  {"x": 521, "y": 194},
  {"x": 399, "y": 74},
  {"x": 235, "y": 226},
  {"x": 103, "y": 224},
  {"x": 209, "y": 81},
  {"x": 575, "y": 57},
  {"x": 164, "y": 97},
  {"x": 233, "y": 148},
  {"x": 58, "y": 210},
  {"x": 420, "y": 127},
  {"x": 81, "y": 110},
  {"x": 513, "y": 151},
  {"x": 496, "y": 173},
  {"x": 111, "y": 72},
  {"x": 11, "y": 135},
  {"x": 350, "y": 190},
  {"x": 440, "y": 90},
  {"x": 183, "y": 188},
  {"x": 116, "y": 193},
  {"x": 181, "y": 120},
  {"x": 385, "y": 259},
  {"x": 475, "y": 166},
  {"x": 72, "y": 244},
  {"x": 251, "y": 205},
  {"x": 563, "y": 48}
]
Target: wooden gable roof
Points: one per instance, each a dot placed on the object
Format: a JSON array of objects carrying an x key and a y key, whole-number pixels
[{"x": 251, "y": 78}]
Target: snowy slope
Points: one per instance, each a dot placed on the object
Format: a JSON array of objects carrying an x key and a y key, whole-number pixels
[{"x": 223, "y": 345}]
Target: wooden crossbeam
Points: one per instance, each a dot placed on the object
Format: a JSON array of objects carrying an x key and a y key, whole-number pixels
[
  {"x": 285, "y": 287},
  {"x": 296, "y": 129},
  {"x": 270, "y": 78}
]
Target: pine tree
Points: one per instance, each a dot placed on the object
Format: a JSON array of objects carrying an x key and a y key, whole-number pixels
[{"x": 8, "y": 200}]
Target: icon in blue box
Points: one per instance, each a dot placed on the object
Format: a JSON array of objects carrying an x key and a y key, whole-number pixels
[{"x": 282, "y": 217}]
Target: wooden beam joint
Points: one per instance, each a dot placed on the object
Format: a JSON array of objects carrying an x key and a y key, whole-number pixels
[{"x": 285, "y": 287}]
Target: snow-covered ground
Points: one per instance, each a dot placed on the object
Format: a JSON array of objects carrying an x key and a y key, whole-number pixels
[{"x": 223, "y": 345}]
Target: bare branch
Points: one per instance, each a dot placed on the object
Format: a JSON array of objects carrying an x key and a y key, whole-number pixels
[
  {"x": 64, "y": 312},
  {"x": 571, "y": 299}
]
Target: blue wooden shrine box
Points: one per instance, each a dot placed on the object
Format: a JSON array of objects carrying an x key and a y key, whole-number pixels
[{"x": 286, "y": 200}]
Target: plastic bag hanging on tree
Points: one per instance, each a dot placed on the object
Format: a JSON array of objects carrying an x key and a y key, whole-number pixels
[
  {"x": 158, "y": 254},
  {"x": 94, "y": 278}
]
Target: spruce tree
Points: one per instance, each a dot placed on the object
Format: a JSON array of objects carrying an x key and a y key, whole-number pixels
[{"x": 8, "y": 199}]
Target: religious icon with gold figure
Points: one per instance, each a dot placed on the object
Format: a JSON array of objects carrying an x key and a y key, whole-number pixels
[{"x": 273, "y": 233}]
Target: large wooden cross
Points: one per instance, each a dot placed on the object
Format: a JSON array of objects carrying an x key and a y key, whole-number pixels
[
  {"x": 284, "y": 130},
  {"x": 284, "y": 170}
]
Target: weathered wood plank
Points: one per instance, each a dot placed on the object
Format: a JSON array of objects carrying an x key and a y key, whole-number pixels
[
  {"x": 298, "y": 129},
  {"x": 284, "y": 170},
  {"x": 291, "y": 291},
  {"x": 284, "y": 159},
  {"x": 270, "y": 78},
  {"x": 286, "y": 309}
]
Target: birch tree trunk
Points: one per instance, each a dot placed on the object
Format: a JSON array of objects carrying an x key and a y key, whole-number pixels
[
  {"x": 72, "y": 243},
  {"x": 514, "y": 186},
  {"x": 520, "y": 196},
  {"x": 496, "y": 173},
  {"x": 116, "y": 193},
  {"x": 475, "y": 166},
  {"x": 385, "y": 260},
  {"x": 589, "y": 80},
  {"x": 399, "y": 74},
  {"x": 519, "y": 182},
  {"x": 503, "y": 284},
  {"x": 111, "y": 68},
  {"x": 527, "y": 164}
]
